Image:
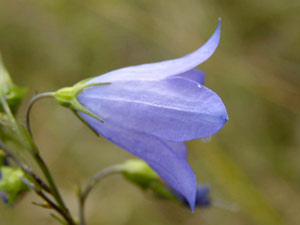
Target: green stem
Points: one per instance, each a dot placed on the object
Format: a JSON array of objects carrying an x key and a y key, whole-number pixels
[
  {"x": 29, "y": 107},
  {"x": 26, "y": 139},
  {"x": 92, "y": 183},
  {"x": 25, "y": 169},
  {"x": 53, "y": 188},
  {"x": 49, "y": 203},
  {"x": 58, "y": 219}
]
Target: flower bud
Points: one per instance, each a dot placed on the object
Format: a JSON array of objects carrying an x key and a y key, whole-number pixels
[
  {"x": 11, "y": 185},
  {"x": 138, "y": 172}
]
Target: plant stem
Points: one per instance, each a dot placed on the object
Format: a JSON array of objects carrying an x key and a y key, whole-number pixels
[
  {"x": 58, "y": 219},
  {"x": 27, "y": 141},
  {"x": 25, "y": 168},
  {"x": 35, "y": 178},
  {"x": 50, "y": 203},
  {"x": 92, "y": 183},
  {"x": 53, "y": 187},
  {"x": 29, "y": 107}
]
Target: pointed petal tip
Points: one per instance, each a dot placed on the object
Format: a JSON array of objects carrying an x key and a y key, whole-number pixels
[
  {"x": 218, "y": 29},
  {"x": 164, "y": 69},
  {"x": 191, "y": 197},
  {"x": 219, "y": 24},
  {"x": 192, "y": 202},
  {"x": 192, "y": 208}
]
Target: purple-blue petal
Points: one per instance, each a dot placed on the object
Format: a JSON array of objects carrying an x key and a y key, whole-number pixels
[
  {"x": 194, "y": 75},
  {"x": 174, "y": 109},
  {"x": 178, "y": 147},
  {"x": 170, "y": 166},
  {"x": 202, "y": 196},
  {"x": 161, "y": 70}
]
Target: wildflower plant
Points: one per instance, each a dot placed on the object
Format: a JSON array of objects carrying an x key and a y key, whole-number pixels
[{"x": 149, "y": 110}]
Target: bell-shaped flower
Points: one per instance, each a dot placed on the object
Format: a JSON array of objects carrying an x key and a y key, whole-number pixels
[{"x": 151, "y": 110}]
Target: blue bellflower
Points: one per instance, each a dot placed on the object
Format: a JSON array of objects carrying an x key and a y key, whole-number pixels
[{"x": 152, "y": 109}]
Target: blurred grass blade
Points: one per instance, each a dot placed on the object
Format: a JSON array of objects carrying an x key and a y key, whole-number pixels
[{"x": 238, "y": 186}]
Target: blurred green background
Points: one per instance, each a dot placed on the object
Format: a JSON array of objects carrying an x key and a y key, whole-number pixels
[{"x": 252, "y": 162}]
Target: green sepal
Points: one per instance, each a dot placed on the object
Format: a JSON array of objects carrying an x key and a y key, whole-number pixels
[
  {"x": 82, "y": 120},
  {"x": 12, "y": 93},
  {"x": 12, "y": 184},
  {"x": 68, "y": 97}
]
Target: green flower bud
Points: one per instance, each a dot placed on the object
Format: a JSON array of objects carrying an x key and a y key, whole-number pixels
[
  {"x": 11, "y": 184},
  {"x": 9, "y": 90},
  {"x": 138, "y": 172}
]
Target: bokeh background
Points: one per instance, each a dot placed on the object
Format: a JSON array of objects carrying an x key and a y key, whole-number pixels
[{"x": 253, "y": 162}]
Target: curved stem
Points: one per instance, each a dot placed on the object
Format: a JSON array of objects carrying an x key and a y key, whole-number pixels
[
  {"x": 92, "y": 183},
  {"x": 29, "y": 107},
  {"x": 37, "y": 156}
]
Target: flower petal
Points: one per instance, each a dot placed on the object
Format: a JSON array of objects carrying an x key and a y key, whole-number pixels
[
  {"x": 202, "y": 196},
  {"x": 161, "y": 70},
  {"x": 174, "y": 109},
  {"x": 194, "y": 75},
  {"x": 178, "y": 147},
  {"x": 170, "y": 166}
]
